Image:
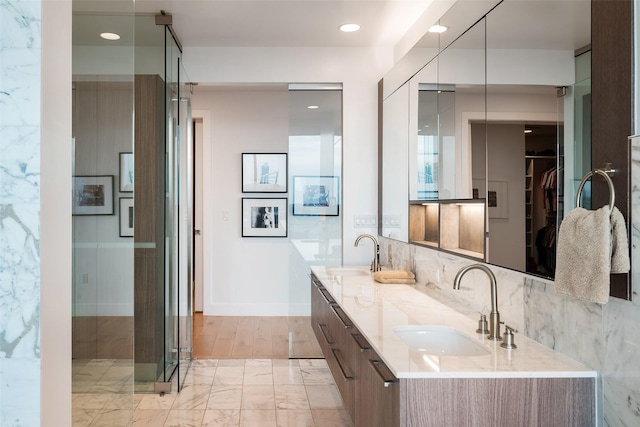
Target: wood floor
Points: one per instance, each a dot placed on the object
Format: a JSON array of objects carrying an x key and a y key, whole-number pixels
[{"x": 240, "y": 337}]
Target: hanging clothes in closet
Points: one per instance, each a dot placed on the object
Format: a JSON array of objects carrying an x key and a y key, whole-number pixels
[
  {"x": 546, "y": 247},
  {"x": 548, "y": 183}
]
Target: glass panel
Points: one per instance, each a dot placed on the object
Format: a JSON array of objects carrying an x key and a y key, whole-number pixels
[
  {"x": 315, "y": 216},
  {"x": 179, "y": 228},
  {"x": 185, "y": 227},
  {"x": 395, "y": 156},
  {"x": 103, "y": 243}
]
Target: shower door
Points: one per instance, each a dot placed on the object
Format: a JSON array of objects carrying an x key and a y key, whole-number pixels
[{"x": 179, "y": 224}]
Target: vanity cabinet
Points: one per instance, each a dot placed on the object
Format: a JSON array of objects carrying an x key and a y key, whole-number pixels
[
  {"x": 377, "y": 389},
  {"x": 333, "y": 330},
  {"x": 502, "y": 389}
]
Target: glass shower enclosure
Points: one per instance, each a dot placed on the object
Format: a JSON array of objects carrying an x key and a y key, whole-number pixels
[{"x": 132, "y": 227}]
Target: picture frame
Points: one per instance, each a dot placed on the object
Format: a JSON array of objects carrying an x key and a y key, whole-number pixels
[
  {"x": 262, "y": 217},
  {"x": 264, "y": 173},
  {"x": 126, "y": 176},
  {"x": 92, "y": 195},
  {"x": 498, "y": 199},
  {"x": 316, "y": 195},
  {"x": 126, "y": 216}
]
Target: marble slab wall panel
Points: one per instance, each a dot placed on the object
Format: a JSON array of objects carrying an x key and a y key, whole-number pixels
[{"x": 20, "y": 50}]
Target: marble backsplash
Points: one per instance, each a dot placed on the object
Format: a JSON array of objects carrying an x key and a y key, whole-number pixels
[
  {"x": 20, "y": 212},
  {"x": 604, "y": 337}
]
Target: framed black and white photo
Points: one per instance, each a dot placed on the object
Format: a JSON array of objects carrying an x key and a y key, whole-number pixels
[
  {"x": 92, "y": 195},
  {"x": 126, "y": 172},
  {"x": 264, "y": 173},
  {"x": 264, "y": 217},
  {"x": 316, "y": 195},
  {"x": 126, "y": 217}
]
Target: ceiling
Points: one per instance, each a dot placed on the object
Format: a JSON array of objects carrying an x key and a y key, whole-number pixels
[{"x": 266, "y": 23}]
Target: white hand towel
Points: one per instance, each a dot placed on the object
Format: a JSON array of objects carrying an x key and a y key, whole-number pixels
[
  {"x": 620, "y": 262},
  {"x": 583, "y": 261}
]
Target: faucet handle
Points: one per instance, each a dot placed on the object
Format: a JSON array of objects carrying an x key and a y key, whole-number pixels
[
  {"x": 509, "y": 334},
  {"x": 483, "y": 325}
]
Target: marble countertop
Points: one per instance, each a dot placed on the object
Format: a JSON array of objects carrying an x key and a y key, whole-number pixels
[{"x": 377, "y": 308}]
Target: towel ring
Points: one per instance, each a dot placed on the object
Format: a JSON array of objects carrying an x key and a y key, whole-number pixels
[{"x": 612, "y": 191}]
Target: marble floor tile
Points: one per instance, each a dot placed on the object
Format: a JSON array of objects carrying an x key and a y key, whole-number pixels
[
  {"x": 113, "y": 417},
  {"x": 258, "y": 418},
  {"x": 221, "y": 418},
  {"x": 314, "y": 363},
  {"x": 225, "y": 397},
  {"x": 231, "y": 362},
  {"x": 83, "y": 417},
  {"x": 150, "y": 417},
  {"x": 324, "y": 397},
  {"x": 287, "y": 375},
  {"x": 117, "y": 373},
  {"x": 224, "y": 392},
  {"x": 294, "y": 418},
  {"x": 331, "y": 418},
  {"x": 184, "y": 418},
  {"x": 200, "y": 375},
  {"x": 90, "y": 400},
  {"x": 289, "y": 396},
  {"x": 258, "y": 362},
  {"x": 233, "y": 375},
  {"x": 316, "y": 375},
  {"x": 204, "y": 363},
  {"x": 258, "y": 375},
  {"x": 285, "y": 362},
  {"x": 192, "y": 397},
  {"x": 156, "y": 401},
  {"x": 258, "y": 397},
  {"x": 122, "y": 401}
]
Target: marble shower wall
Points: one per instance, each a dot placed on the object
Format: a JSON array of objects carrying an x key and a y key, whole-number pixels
[
  {"x": 604, "y": 337},
  {"x": 20, "y": 50}
]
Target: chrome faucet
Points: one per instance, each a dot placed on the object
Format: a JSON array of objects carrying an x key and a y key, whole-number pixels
[
  {"x": 494, "y": 317},
  {"x": 375, "y": 264}
]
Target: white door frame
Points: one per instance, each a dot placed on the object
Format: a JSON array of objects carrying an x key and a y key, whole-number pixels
[{"x": 204, "y": 251}]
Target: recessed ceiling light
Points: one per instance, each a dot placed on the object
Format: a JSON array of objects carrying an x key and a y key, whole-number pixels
[
  {"x": 349, "y": 28},
  {"x": 110, "y": 36},
  {"x": 528, "y": 131},
  {"x": 438, "y": 28},
  {"x": 313, "y": 107}
]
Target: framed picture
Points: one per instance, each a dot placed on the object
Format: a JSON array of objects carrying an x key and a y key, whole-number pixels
[
  {"x": 498, "y": 199},
  {"x": 264, "y": 173},
  {"x": 92, "y": 195},
  {"x": 126, "y": 172},
  {"x": 264, "y": 217},
  {"x": 126, "y": 217},
  {"x": 316, "y": 195}
]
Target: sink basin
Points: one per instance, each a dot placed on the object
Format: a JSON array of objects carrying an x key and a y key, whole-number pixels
[
  {"x": 348, "y": 271},
  {"x": 440, "y": 340}
]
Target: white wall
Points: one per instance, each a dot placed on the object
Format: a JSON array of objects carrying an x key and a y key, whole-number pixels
[
  {"x": 249, "y": 276},
  {"x": 359, "y": 70}
]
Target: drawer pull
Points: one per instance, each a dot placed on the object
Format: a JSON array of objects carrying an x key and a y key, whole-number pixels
[
  {"x": 363, "y": 345},
  {"x": 338, "y": 356},
  {"x": 376, "y": 366},
  {"x": 326, "y": 297},
  {"x": 337, "y": 310},
  {"x": 324, "y": 334}
]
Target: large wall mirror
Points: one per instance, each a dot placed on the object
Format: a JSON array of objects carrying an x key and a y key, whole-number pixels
[{"x": 501, "y": 112}]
